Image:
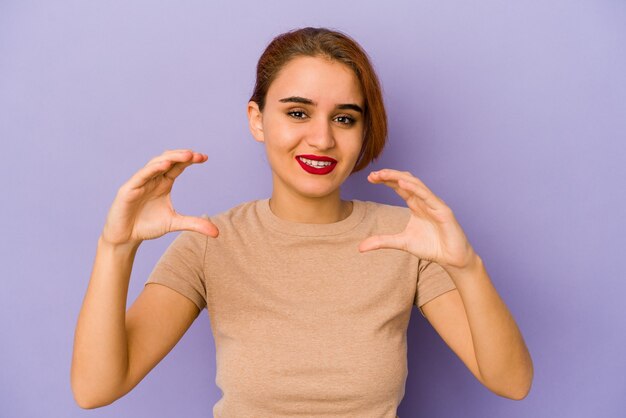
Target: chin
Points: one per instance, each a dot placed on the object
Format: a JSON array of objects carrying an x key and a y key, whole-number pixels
[
  {"x": 314, "y": 191},
  {"x": 314, "y": 187}
]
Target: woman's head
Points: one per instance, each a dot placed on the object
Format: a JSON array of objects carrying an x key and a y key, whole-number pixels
[{"x": 335, "y": 46}]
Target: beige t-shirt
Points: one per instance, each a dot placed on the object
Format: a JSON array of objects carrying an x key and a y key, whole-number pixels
[{"x": 304, "y": 324}]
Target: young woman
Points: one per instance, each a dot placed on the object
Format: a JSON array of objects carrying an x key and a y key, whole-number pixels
[{"x": 309, "y": 296}]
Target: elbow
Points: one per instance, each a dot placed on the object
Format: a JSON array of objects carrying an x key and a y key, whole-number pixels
[
  {"x": 518, "y": 394},
  {"x": 516, "y": 388},
  {"x": 83, "y": 401},
  {"x": 81, "y": 398},
  {"x": 524, "y": 388},
  {"x": 521, "y": 390},
  {"x": 93, "y": 390},
  {"x": 87, "y": 402},
  {"x": 515, "y": 393},
  {"x": 88, "y": 398}
]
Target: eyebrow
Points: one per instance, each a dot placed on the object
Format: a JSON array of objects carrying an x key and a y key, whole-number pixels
[{"x": 304, "y": 100}]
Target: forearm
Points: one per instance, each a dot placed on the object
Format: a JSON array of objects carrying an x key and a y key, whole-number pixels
[
  {"x": 502, "y": 356},
  {"x": 100, "y": 357}
]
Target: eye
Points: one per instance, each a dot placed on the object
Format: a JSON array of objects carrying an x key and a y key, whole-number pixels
[
  {"x": 346, "y": 120},
  {"x": 297, "y": 114}
]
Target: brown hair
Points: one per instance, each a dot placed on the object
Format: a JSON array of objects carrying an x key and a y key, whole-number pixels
[{"x": 340, "y": 47}]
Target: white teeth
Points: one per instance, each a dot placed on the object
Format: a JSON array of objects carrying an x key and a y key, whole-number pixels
[{"x": 315, "y": 163}]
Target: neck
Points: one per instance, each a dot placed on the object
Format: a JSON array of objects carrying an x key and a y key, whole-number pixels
[{"x": 311, "y": 210}]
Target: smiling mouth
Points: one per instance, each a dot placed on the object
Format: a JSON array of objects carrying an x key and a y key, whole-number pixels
[{"x": 314, "y": 164}]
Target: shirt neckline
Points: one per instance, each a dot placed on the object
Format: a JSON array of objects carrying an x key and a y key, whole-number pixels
[{"x": 270, "y": 220}]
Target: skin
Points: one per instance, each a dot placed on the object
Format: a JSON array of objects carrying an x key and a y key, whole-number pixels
[
  {"x": 115, "y": 348},
  {"x": 472, "y": 319},
  {"x": 319, "y": 129}
]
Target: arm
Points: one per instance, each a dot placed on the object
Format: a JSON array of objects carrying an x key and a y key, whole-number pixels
[
  {"x": 115, "y": 349},
  {"x": 472, "y": 319},
  {"x": 476, "y": 324}
]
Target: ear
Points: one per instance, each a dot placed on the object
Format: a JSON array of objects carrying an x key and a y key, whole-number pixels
[{"x": 255, "y": 121}]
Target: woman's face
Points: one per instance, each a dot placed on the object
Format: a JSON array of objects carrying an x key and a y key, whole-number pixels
[{"x": 312, "y": 126}]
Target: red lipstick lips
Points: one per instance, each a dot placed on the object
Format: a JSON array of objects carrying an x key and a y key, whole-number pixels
[{"x": 316, "y": 164}]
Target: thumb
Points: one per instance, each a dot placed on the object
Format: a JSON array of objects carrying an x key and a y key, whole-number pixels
[
  {"x": 196, "y": 224},
  {"x": 376, "y": 242}
]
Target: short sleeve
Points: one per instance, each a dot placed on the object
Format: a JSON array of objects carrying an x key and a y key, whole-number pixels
[
  {"x": 181, "y": 267},
  {"x": 432, "y": 281}
]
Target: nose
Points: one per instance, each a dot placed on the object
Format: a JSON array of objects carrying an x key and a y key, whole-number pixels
[{"x": 321, "y": 135}]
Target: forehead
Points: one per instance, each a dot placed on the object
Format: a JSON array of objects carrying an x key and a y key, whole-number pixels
[{"x": 316, "y": 78}]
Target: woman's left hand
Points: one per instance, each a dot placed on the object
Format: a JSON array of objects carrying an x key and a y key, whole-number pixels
[{"x": 432, "y": 232}]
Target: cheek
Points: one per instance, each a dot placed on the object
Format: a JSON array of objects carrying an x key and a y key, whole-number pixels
[
  {"x": 282, "y": 135},
  {"x": 353, "y": 144}
]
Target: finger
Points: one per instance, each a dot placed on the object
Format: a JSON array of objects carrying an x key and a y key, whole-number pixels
[
  {"x": 196, "y": 224},
  {"x": 377, "y": 242},
  {"x": 389, "y": 174},
  {"x": 416, "y": 181},
  {"x": 375, "y": 178},
  {"x": 420, "y": 188},
  {"x": 176, "y": 154},
  {"x": 147, "y": 173},
  {"x": 396, "y": 188},
  {"x": 178, "y": 168},
  {"x": 391, "y": 177},
  {"x": 425, "y": 195},
  {"x": 165, "y": 153},
  {"x": 403, "y": 192},
  {"x": 158, "y": 167}
]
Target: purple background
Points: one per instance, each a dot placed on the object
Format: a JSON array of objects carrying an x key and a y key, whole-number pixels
[{"x": 515, "y": 114}]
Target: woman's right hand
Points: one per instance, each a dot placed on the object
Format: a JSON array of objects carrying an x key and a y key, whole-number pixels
[{"x": 142, "y": 208}]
